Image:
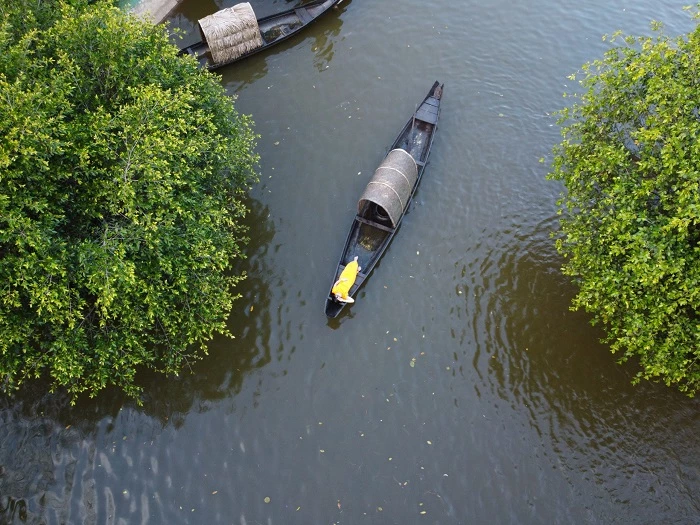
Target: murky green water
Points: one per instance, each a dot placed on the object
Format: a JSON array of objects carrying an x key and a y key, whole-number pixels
[
  {"x": 459, "y": 388},
  {"x": 126, "y": 4}
]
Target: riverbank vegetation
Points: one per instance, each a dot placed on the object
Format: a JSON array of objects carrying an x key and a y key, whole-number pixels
[
  {"x": 630, "y": 228},
  {"x": 122, "y": 168}
]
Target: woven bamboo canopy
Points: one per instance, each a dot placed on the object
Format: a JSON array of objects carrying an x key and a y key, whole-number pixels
[
  {"x": 392, "y": 184},
  {"x": 231, "y": 32}
]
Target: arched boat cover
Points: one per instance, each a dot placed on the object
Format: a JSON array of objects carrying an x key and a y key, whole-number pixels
[
  {"x": 392, "y": 184},
  {"x": 231, "y": 32}
]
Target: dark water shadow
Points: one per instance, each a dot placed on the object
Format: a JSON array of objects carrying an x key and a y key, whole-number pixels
[
  {"x": 326, "y": 36},
  {"x": 547, "y": 364},
  {"x": 184, "y": 19},
  {"x": 36, "y": 426},
  {"x": 324, "y": 33},
  {"x": 205, "y": 380},
  {"x": 345, "y": 315},
  {"x": 219, "y": 375}
]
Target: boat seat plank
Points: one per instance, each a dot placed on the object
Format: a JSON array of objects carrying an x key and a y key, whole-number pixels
[
  {"x": 304, "y": 15},
  {"x": 374, "y": 224},
  {"x": 428, "y": 112},
  {"x": 426, "y": 115},
  {"x": 429, "y": 109}
]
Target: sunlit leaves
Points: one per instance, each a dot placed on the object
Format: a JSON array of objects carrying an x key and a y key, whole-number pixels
[
  {"x": 121, "y": 171},
  {"x": 630, "y": 161}
]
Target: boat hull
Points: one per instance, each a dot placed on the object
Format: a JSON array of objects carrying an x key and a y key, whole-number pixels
[
  {"x": 373, "y": 228},
  {"x": 273, "y": 29}
]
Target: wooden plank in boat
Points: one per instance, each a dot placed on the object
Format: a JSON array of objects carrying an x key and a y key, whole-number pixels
[
  {"x": 427, "y": 113},
  {"x": 374, "y": 224},
  {"x": 304, "y": 15}
]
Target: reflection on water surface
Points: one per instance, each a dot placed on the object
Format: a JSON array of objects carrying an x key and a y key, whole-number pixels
[{"x": 459, "y": 388}]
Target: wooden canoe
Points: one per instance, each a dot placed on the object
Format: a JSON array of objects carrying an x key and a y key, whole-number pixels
[
  {"x": 388, "y": 195},
  {"x": 273, "y": 30}
]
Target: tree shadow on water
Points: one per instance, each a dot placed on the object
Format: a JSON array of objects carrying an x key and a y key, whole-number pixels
[
  {"x": 220, "y": 374},
  {"x": 551, "y": 378},
  {"x": 324, "y": 32},
  {"x": 43, "y": 437},
  {"x": 326, "y": 35}
]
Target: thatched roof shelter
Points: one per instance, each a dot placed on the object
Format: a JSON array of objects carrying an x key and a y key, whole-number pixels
[
  {"x": 392, "y": 184},
  {"x": 231, "y": 32}
]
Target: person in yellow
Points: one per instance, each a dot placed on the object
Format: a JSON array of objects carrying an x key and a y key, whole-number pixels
[{"x": 342, "y": 286}]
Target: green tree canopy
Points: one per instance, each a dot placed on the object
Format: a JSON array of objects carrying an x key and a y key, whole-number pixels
[
  {"x": 122, "y": 168},
  {"x": 630, "y": 162}
]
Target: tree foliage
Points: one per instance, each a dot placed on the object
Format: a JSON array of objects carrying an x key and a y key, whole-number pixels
[
  {"x": 122, "y": 167},
  {"x": 630, "y": 162}
]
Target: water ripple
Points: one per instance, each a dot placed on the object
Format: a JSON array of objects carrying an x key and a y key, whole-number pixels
[{"x": 459, "y": 384}]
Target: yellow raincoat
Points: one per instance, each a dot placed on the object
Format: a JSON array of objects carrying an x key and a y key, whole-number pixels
[{"x": 346, "y": 279}]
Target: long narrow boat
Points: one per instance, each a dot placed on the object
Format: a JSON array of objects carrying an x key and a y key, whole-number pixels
[
  {"x": 388, "y": 195},
  {"x": 235, "y": 33}
]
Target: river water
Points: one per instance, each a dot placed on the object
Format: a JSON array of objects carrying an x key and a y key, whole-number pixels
[{"x": 459, "y": 389}]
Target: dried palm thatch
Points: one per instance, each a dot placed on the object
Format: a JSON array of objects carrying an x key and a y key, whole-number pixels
[{"x": 231, "y": 32}]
